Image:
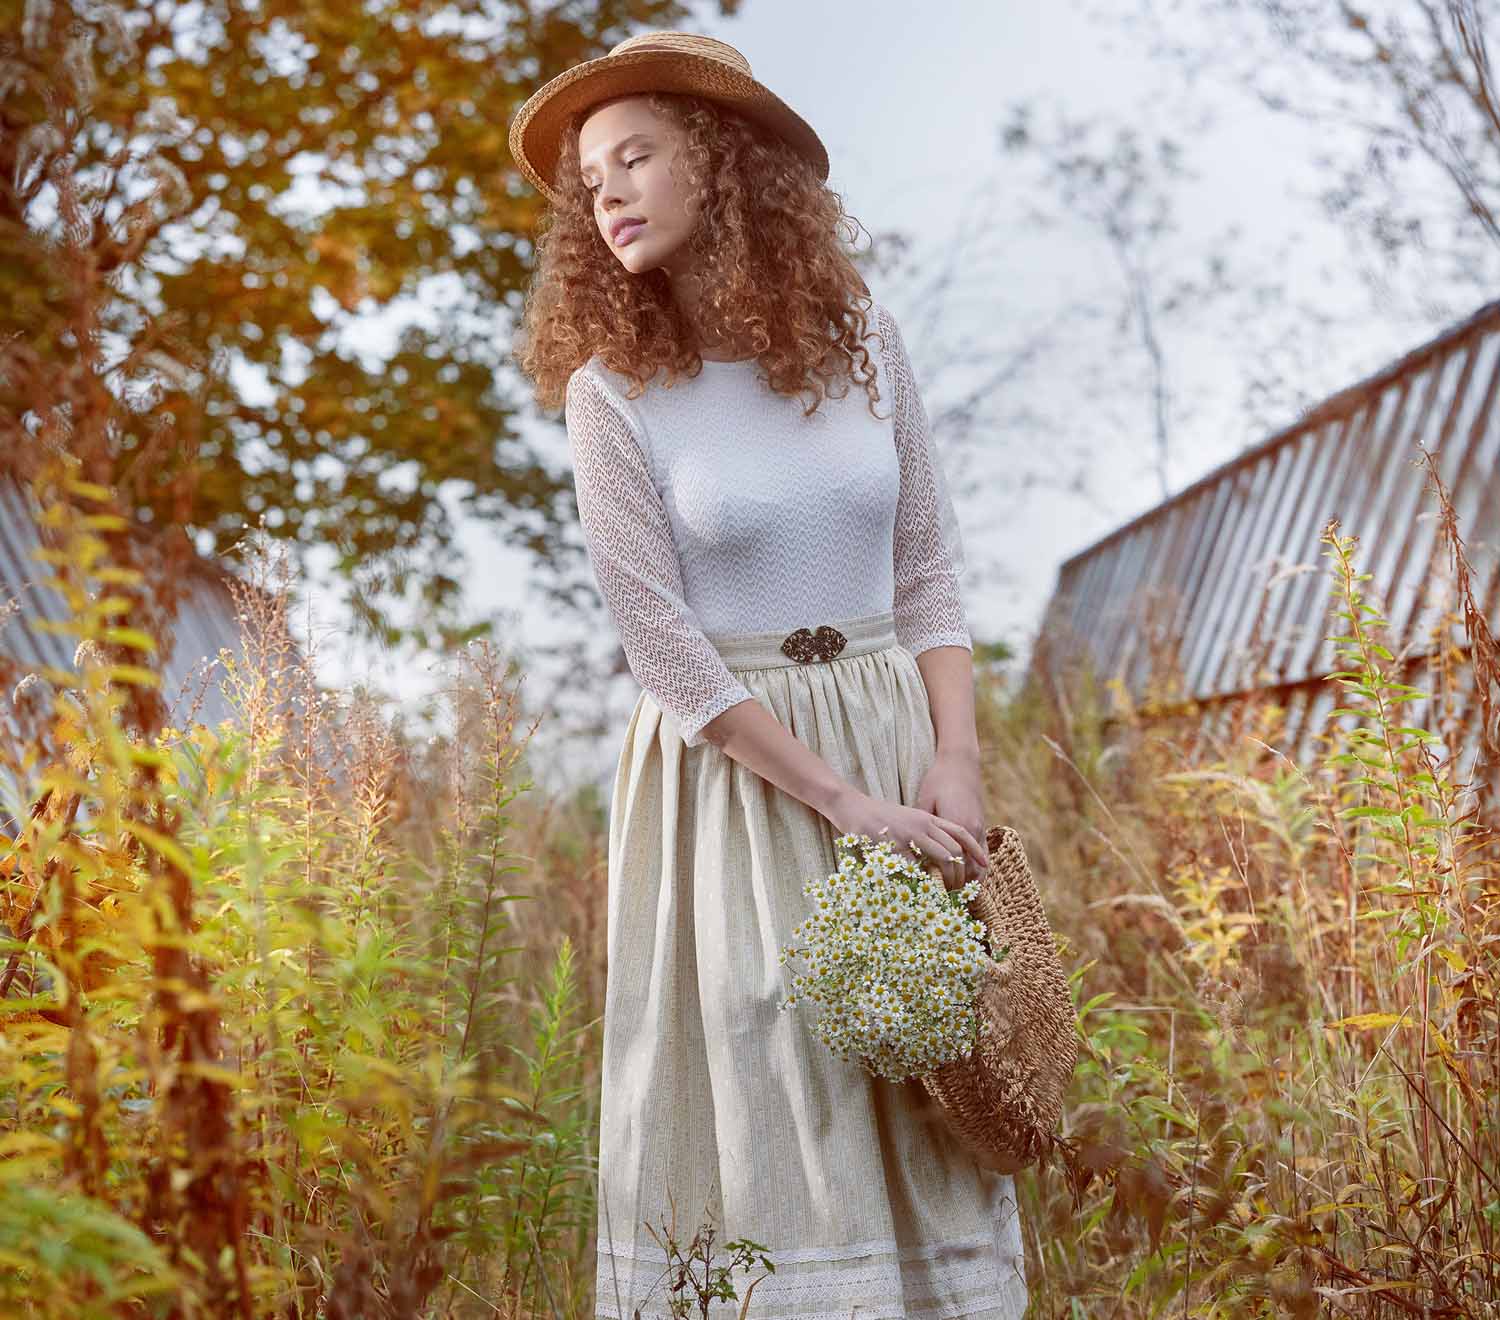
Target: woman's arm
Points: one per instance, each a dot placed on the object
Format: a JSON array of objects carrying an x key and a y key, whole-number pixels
[
  {"x": 927, "y": 546},
  {"x": 930, "y": 620},
  {"x": 635, "y": 564},
  {"x": 751, "y": 735},
  {"x": 948, "y": 672}
]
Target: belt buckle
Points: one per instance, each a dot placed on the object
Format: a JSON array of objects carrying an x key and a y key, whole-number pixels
[{"x": 804, "y": 645}]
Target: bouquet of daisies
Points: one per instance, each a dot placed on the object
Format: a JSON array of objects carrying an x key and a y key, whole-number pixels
[{"x": 893, "y": 957}]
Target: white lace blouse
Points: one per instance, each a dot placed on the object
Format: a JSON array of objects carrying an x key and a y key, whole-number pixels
[{"x": 714, "y": 506}]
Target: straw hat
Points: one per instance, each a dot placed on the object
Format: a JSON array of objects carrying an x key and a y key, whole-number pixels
[{"x": 651, "y": 62}]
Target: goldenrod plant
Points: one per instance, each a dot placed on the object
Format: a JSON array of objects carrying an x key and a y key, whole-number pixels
[
  {"x": 1285, "y": 973},
  {"x": 260, "y": 1051},
  {"x": 278, "y": 1035}
]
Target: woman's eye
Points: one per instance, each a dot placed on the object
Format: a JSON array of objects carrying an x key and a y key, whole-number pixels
[{"x": 594, "y": 187}]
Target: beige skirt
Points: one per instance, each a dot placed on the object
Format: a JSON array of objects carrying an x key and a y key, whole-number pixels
[{"x": 714, "y": 1098}]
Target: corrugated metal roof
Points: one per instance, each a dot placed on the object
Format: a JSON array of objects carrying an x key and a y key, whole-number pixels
[{"x": 1229, "y": 575}]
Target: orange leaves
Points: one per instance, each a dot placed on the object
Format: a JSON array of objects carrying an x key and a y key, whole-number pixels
[{"x": 340, "y": 270}]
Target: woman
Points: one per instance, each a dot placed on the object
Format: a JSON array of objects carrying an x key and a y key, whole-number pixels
[{"x": 774, "y": 568}]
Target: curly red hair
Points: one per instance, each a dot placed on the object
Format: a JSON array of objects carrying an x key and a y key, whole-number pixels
[{"x": 766, "y": 238}]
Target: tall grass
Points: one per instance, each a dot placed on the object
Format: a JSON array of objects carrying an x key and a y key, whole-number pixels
[
  {"x": 270, "y": 1044},
  {"x": 1288, "y": 1102},
  {"x": 299, "y": 1017}
]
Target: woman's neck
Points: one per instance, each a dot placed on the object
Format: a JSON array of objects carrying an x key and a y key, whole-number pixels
[{"x": 686, "y": 292}]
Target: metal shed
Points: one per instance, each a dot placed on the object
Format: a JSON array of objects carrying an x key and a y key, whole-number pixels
[{"x": 1226, "y": 581}]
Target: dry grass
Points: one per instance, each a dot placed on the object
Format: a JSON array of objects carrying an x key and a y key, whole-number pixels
[
  {"x": 1288, "y": 1098},
  {"x": 271, "y": 1042},
  {"x": 301, "y": 1019}
]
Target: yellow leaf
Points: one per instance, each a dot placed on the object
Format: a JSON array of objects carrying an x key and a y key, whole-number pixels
[
  {"x": 212, "y": 1072},
  {"x": 167, "y": 847},
  {"x": 133, "y": 637},
  {"x": 124, "y": 576},
  {"x": 137, "y": 675},
  {"x": 1438, "y": 1039},
  {"x": 1368, "y": 1021},
  {"x": 92, "y": 489},
  {"x": 20, "y": 1143}
]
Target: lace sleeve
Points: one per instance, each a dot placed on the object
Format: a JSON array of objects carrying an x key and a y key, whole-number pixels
[
  {"x": 634, "y": 561},
  {"x": 929, "y": 553}
]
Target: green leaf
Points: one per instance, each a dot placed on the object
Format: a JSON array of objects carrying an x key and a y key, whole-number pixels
[
  {"x": 1170, "y": 1112},
  {"x": 1372, "y": 813}
]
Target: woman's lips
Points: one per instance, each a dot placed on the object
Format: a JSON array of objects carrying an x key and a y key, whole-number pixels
[{"x": 629, "y": 231}]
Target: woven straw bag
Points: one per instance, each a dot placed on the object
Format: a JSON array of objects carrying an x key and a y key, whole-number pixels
[{"x": 1003, "y": 1101}]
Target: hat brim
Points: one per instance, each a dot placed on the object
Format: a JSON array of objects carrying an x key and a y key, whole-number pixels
[{"x": 536, "y": 131}]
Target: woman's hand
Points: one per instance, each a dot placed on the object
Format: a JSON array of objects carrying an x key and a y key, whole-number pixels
[
  {"x": 951, "y": 789},
  {"x": 915, "y": 831}
]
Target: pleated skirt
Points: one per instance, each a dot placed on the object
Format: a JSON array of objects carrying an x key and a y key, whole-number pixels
[{"x": 716, "y": 1101}]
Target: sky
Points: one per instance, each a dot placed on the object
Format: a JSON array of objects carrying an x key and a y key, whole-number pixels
[{"x": 909, "y": 101}]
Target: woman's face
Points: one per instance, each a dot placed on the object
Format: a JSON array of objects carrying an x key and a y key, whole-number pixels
[{"x": 628, "y": 157}]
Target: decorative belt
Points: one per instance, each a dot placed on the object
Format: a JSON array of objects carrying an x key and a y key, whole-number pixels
[{"x": 803, "y": 645}]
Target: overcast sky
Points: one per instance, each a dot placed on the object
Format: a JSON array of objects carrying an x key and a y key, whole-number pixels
[{"x": 908, "y": 100}]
